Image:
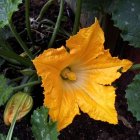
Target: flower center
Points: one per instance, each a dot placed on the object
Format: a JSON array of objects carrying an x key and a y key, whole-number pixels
[{"x": 67, "y": 74}]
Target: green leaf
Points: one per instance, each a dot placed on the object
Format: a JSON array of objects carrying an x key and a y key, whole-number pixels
[
  {"x": 41, "y": 127},
  {"x": 3, "y": 137},
  {"x": 5, "y": 33},
  {"x": 91, "y": 9},
  {"x": 7, "y": 8},
  {"x": 133, "y": 96},
  {"x": 126, "y": 16},
  {"x": 92, "y": 5},
  {"x": 5, "y": 90}
]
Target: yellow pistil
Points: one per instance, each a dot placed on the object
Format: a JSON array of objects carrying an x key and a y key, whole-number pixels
[{"x": 67, "y": 74}]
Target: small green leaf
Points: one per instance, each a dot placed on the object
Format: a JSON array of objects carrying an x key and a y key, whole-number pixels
[
  {"x": 41, "y": 127},
  {"x": 133, "y": 96},
  {"x": 3, "y": 137},
  {"x": 5, "y": 90},
  {"x": 7, "y": 8},
  {"x": 126, "y": 16}
]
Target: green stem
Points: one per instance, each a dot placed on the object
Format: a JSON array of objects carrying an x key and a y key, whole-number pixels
[
  {"x": 135, "y": 67},
  {"x": 20, "y": 103},
  {"x": 44, "y": 9},
  {"x": 20, "y": 41},
  {"x": 57, "y": 25},
  {"x": 77, "y": 16},
  {"x": 17, "y": 79},
  {"x": 27, "y": 84},
  {"x": 61, "y": 30},
  {"x": 27, "y": 18},
  {"x": 30, "y": 88},
  {"x": 9, "y": 54}
]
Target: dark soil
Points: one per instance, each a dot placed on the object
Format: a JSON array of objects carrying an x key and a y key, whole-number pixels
[{"x": 83, "y": 127}]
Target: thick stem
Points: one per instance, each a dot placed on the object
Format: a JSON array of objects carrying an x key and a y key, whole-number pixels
[
  {"x": 27, "y": 84},
  {"x": 77, "y": 16},
  {"x": 20, "y": 41},
  {"x": 57, "y": 25},
  {"x": 27, "y": 18},
  {"x": 44, "y": 9}
]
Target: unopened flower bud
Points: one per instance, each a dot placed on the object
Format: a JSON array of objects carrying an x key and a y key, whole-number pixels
[{"x": 20, "y": 103}]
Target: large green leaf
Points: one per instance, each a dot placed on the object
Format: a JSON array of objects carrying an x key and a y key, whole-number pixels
[
  {"x": 3, "y": 137},
  {"x": 100, "y": 5},
  {"x": 41, "y": 127},
  {"x": 133, "y": 96},
  {"x": 7, "y": 8},
  {"x": 91, "y": 5},
  {"x": 91, "y": 9},
  {"x": 5, "y": 90},
  {"x": 126, "y": 16}
]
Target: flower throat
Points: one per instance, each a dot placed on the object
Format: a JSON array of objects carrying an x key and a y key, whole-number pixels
[{"x": 67, "y": 74}]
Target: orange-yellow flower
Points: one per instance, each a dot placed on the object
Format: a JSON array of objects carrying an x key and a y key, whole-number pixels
[{"x": 80, "y": 78}]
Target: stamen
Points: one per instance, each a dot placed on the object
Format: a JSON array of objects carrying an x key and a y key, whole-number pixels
[{"x": 67, "y": 74}]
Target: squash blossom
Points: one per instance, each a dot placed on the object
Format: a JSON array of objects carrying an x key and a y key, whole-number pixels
[{"x": 79, "y": 76}]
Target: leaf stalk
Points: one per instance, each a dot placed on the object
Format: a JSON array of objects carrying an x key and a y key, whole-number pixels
[
  {"x": 57, "y": 25},
  {"x": 77, "y": 16},
  {"x": 44, "y": 9},
  {"x": 20, "y": 41},
  {"x": 26, "y": 85},
  {"x": 27, "y": 18}
]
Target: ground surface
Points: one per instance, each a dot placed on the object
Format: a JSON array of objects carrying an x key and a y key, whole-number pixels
[{"x": 83, "y": 127}]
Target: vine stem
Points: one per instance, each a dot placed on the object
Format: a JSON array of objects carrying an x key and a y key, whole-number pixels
[
  {"x": 20, "y": 41},
  {"x": 44, "y": 9},
  {"x": 77, "y": 16},
  {"x": 27, "y": 18},
  {"x": 57, "y": 25},
  {"x": 26, "y": 85}
]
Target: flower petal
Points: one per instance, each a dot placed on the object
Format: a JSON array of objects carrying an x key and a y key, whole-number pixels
[
  {"x": 57, "y": 59},
  {"x": 104, "y": 69},
  {"x": 61, "y": 101},
  {"x": 87, "y": 42},
  {"x": 58, "y": 98},
  {"x": 97, "y": 101}
]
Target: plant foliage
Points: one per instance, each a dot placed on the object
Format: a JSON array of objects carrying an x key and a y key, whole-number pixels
[
  {"x": 126, "y": 16},
  {"x": 5, "y": 90},
  {"x": 133, "y": 96},
  {"x": 7, "y": 8},
  {"x": 3, "y": 137},
  {"x": 41, "y": 127},
  {"x": 99, "y": 5}
]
